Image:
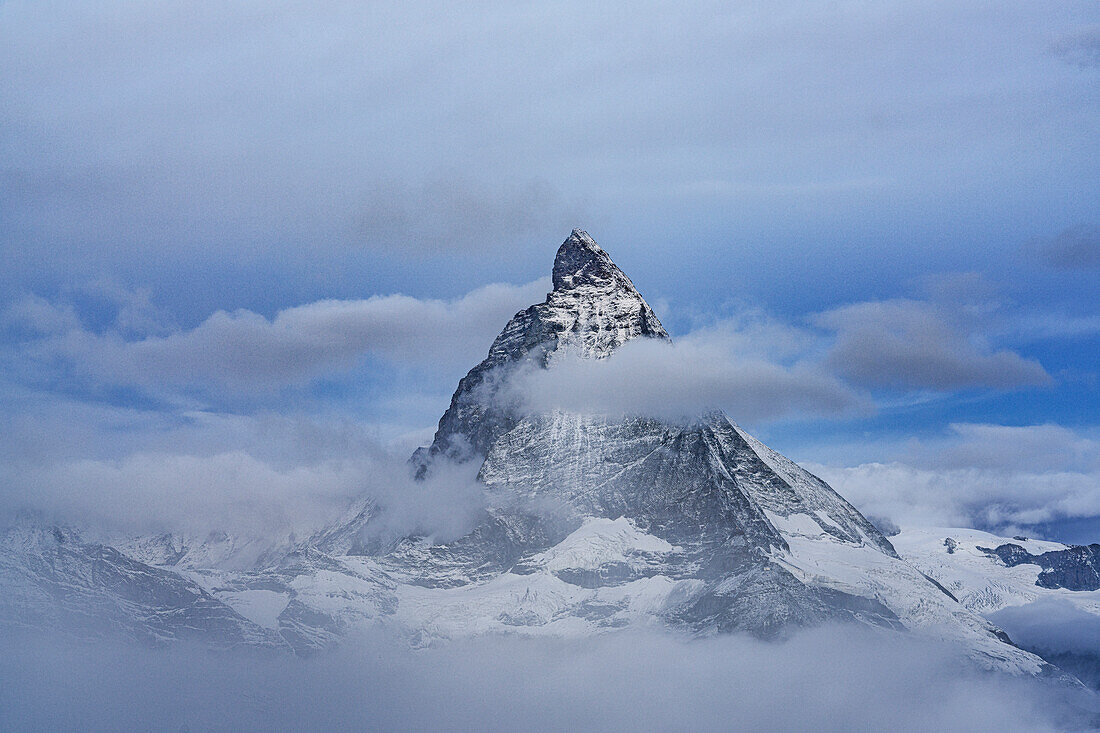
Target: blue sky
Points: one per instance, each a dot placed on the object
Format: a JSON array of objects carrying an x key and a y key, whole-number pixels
[{"x": 282, "y": 232}]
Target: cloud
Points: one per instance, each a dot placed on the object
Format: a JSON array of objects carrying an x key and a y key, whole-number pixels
[
  {"x": 240, "y": 494},
  {"x": 990, "y": 476},
  {"x": 914, "y": 497},
  {"x": 157, "y": 492},
  {"x": 166, "y": 143},
  {"x": 910, "y": 344},
  {"x": 1059, "y": 630},
  {"x": 652, "y": 378},
  {"x": 1076, "y": 248},
  {"x": 1053, "y": 625},
  {"x": 843, "y": 680},
  {"x": 110, "y": 470},
  {"x": 1039, "y": 325},
  {"x": 245, "y": 352},
  {"x": 1013, "y": 448},
  {"x": 34, "y": 316}
]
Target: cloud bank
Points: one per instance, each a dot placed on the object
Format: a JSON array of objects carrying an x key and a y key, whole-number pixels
[
  {"x": 989, "y": 476},
  {"x": 114, "y": 471},
  {"x": 192, "y": 143},
  {"x": 830, "y": 679},
  {"x": 681, "y": 381}
]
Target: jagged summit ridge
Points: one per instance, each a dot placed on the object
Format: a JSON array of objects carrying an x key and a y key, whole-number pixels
[{"x": 593, "y": 309}]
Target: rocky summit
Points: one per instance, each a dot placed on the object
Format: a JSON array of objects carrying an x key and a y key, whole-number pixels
[
  {"x": 593, "y": 309},
  {"x": 591, "y": 523}
]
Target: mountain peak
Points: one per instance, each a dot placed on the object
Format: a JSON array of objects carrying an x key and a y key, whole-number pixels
[
  {"x": 593, "y": 309},
  {"x": 594, "y": 306},
  {"x": 580, "y": 261}
]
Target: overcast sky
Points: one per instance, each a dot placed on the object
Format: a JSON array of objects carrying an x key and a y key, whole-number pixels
[{"x": 272, "y": 236}]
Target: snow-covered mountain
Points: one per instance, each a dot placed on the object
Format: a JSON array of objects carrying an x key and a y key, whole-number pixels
[
  {"x": 592, "y": 522},
  {"x": 1046, "y": 594},
  {"x": 988, "y": 573},
  {"x": 53, "y": 579},
  {"x": 593, "y": 309}
]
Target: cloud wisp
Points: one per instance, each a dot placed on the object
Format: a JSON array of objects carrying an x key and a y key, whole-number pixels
[
  {"x": 116, "y": 471},
  {"x": 681, "y": 381}
]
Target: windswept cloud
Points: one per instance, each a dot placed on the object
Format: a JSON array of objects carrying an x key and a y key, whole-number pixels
[
  {"x": 247, "y": 352},
  {"x": 911, "y": 344},
  {"x": 710, "y": 369}
]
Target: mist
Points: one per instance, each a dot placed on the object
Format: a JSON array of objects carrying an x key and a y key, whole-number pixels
[
  {"x": 828, "y": 679},
  {"x": 266, "y": 476}
]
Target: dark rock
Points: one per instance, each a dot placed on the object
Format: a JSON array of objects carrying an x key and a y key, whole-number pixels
[{"x": 1075, "y": 568}]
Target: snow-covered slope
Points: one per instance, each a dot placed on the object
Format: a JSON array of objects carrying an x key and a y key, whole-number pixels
[
  {"x": 959, "y": 560},
  {"x": 1031, "y": 601},
  {"x": 220, "y": 550}
]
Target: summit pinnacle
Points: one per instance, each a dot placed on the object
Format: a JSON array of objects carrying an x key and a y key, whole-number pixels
[
  {"x": 580, "y": 260},
  {"x": 593, "y": 309}
]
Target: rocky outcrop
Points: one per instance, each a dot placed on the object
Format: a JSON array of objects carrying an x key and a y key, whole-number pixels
[{"x": 1074, "y": 568}]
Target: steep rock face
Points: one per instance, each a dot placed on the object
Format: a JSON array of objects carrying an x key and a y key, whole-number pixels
[
  {"x": 709, "y": 477},
  {"x": 593, "y": 309}
]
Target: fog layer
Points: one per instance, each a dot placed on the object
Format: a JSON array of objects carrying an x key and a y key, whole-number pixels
[{"x": 832, "y": 679}]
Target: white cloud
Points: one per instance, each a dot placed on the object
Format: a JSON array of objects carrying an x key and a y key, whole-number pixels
[
  {"x": 247, "y": 352},
  {"x": 992, "y": 476},
  {"x": 146, "y": 137},
  {"x": 699, "y": 374},
  {"x": 122, "y": 470},
  {"x": 239, "y": 493}
]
